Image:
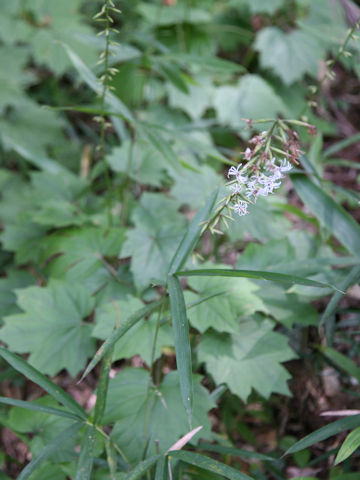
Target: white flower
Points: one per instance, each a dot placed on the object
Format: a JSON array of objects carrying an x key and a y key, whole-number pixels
[
  {"x": 248, "y": 154},
  {"x": 241, "y": 208},
  {"x": 234, "y": 170},
  {"x": 285, "y": 165}
]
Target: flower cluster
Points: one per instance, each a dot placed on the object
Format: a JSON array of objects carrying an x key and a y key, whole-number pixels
[{"x": 250, "y": 183}]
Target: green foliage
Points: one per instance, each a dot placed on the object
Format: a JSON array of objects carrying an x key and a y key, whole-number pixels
[
  {"x": 249, "y": 358},
  {"x": 53, "y": 315},
  {"x": 120, "y": 243}
]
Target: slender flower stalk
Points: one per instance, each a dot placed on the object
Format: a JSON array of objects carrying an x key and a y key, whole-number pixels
[{"x": 104, "y": 17}]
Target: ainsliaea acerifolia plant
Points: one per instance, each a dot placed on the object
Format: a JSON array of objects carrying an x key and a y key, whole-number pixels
[{"x": 270, "y": 155}]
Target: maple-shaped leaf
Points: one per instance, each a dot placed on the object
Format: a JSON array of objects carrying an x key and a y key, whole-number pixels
[
  {"x": 290, "y": 55},
  {"x": 84, "y": 256},
  {"x": 252, "y": 97},
  {"x": 225, "y": 300},
  {"x": 249, "y": 359},
  {"x": 52, "y": 327},
  {"x": 131, "y": 407},
  {"x": 140, "y": 338},
  {"x": 159, "y": 228}
]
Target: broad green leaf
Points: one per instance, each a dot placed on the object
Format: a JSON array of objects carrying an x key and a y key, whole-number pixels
[
  {"x": 84, "y": 256},
  {"x": 138, "y": 340},
  {"x": 15, "y": 279},
  {"x": 47, "y": 451},
  {"x": 186, "y": 187},
  {"x": 248, "y": 359},
  {"x": 331, "y": 215},
  {"x": 54, "y": 316},
  {"x": 39, "y": 408},
  {"x": 263, "y": 222},
  {"x": 290, "y": 55},
  {"x": 351, "y": 443},
  {"x": 252, "y": 98},
  {"x": 209, "y": 464},
  {"x": 182, "y": 343},
  {"x": 142, "y": 467},
  {"x": 161, "y": 15},
  {"x": 152, "y": 243},
  {"x": 140, "y": 161},
  {"x": 161, "y": 145},
  {"x": 325, "y": 432},
  {"x": 229, "y": 299},
  {"x": 158, "y": 423},
  {"x": 288, "y": 308},
  {"x": 20, "y": 133},
  {"x": 86, "y": 458},
  {"x": 195, "y": 102},
  {"x": 192, "y": 234},
  {"x": 119, "y": 332},
  {"x": 205, "y": 62},
  {"x": 35, "y": 376},
  {"x": 342, "y": 361},
  {"x": 256, "y": 274},
  {"x": 259, "y": 6}
]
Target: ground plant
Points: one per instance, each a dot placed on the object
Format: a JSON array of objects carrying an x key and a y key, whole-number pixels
[{"x": 180, "y": 246}]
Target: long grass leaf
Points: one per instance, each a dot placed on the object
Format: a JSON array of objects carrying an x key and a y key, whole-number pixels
[
  {"x": 142, "y": 468},
  {"x": 102, "y": 388},
  {"x": 342, "y": 361},
  {"x": 161, "y": 469},
  {"x": 182, "y": 342},
  {"x": 350, "y": 279},
  {"x": 209, "y": 464},
  {"x": 331, "y": 215},
  {"x": 257, "y": 274},
  {"x": 325, "y": 432},
  {"x": 38, "y": 408},
  {"x": 192, "y": 234},
  {"x": 86, "y": 458},
  {"x": 351, "y": 443},
  {"x": 119, "y": 332},
  {"x": 50, "y": 448},
  {"x": 35, "y": 376},
  {"x": 235, "y": 452}
]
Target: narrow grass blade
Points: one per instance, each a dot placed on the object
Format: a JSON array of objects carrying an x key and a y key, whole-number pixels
[
  {"x": 142, "y": 467},
  {"x": 351, "y": 443},
  {"x": 90, "y": 79},
  {"x": 341, "y": 361},
  {"x": 338, "y": 221},
  {"x": 102, "y": 388},
  {"x": 35, "y": 376},
  {"x": 118, "y": 333},
  {"x": 336, "y": 147},
  {"x": 235, "y": 452},
  {"x": 351, "y": 278},
  {"x": 111, "y": 458},
  {"x": 257, "y": 274},
  {"x": 209, "y": 464},
  {"x": 50, "y": 448},
  {"x": 324, "y": 433},
  {"x": 182, "y": 342},
  {"x": 39, "y": 408},
  {"x": 86, "y": 458},
  {"x": 192, "y": 234},
  {"x": 161, "y": 469}
]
